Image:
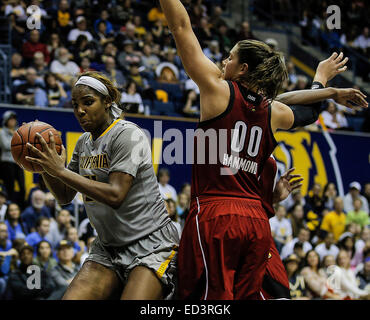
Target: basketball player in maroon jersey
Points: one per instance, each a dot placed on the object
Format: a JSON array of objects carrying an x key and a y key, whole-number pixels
[{"x": 225, "y": 243}]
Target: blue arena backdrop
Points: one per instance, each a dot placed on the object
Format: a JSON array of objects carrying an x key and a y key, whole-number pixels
[{"x": 318, "y": 157}]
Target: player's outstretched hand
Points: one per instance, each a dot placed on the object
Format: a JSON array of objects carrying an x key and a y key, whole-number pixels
[
  {"x": 48, "y": 159},
  {"x": 330, "y": 67},
  {"x": 350, "y": 98},
  {"x": 286, "y": 184}
]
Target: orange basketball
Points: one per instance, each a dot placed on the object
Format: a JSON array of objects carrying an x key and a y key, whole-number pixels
[{"x": 27, "y": 133}]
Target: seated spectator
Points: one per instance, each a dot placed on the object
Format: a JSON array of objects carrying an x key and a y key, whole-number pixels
[
  {"x": 171, "y": 209},
  {"x": 65, "y": 270},
  {"x": 213, "y": 51},
  {"x": 18, "y": 71},
  {"x": 303, "y": 237},
  {"x": 245, "y": 32},
  {"x": 365, "y": 237},
  {"x": 191, "y": 106},
  {"x": 135, "y": 75},
  {"x": 293, "y": 199},
  {"x": 16, "y": 228},
  {"x": 296, "y": 217},
  {"x": 156, "y": 14},
  {"x": 363, "y": 276},
  {"x": 354, "y": 193},
  {"x": 224, "y": 38},
  {"x": 296, "y": 281},
  {"x": 25, "y": 93},
  {"x": 114, "y": 74},
  {"x": 18, "y": 283},
  {"x": 314, "y": 199},
  {"x": 54, "y": 94},
  {"x": 204, "y": 31},
  {"x": 59, "y": 227},
  {"x": 327, "y": 247},
  {"x": 82, "y": 48},
  {"x": 346, "y": 242},
  {"x": 131, "y": 100},
  {"x": 3, "y": 203},
  {"x": 53, "y": 44},
  {"x": 40, "y": 65},
  {"x": 128, "y": 56},
  {"x": 329, "y": 194},
  {"x": 334, "y": 119},
  {"x": 86, "y": 230},
  {"x": 335, "y": 221},
  {"x": 65, "y": 70},
  {"x": 346, "y": 279},
  {"x": 167, "y": 72},
  {"x": 44, "y": 258},
  {"x": 85, "y": 65},
  {"x": 315, "y": 279},
  {"x": 89, "y": 242},
  {"x": 149, "y": 60},
  {"x": 358, "y": 216},
  {"x": 183, "y": 206},
  {"x": 17, "y": 7},
  {"x": 167, "y": 191},
  {"x": 42, "y": 229},
  {"x": 80, "y": 30},
  {"x": 6, "y": 255},
  {"x": 30, "y": 47},
  {"x": 78, "y": 245},
  {"x": 281, "y": 228},
  {"x": 140, "y": 30},
  {"x": 104, "y": 16},
  {"x": 102, "y": 36},
  {"x": 36, "y": 210},
  {"x": 10, "y": 172},
  {"x": 362, "y": 42}
]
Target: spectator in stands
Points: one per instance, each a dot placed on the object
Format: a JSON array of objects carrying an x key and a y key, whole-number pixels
[
  {"x": 329, "y": 194},
  {"x": 314, "y": 278},
  {"x": 224, "y": 38},
  {"x": 10, "y": 171},
  {"x": 134, "y": 74},
  {"x": 327, "y": 247},
  {"x": 347, "y": 242},
  {"x": 216, "y": 17},
  {"x": 89, "y": 242},
  {"x": 335, "y": 220},
  {"x": 358, "y": 216},
  {"x": 346, "y": 279},
  {"x": 65, "y": 270},
  {"x": 16, "y": 228},
  {"x": 183, "y": 204},
  {"x": 59, "y": 227},
  {"x": 82, "y": 48},
  {"x": 104, "y": 16},
  {"x": 25, "y": 93},
  {"x": 6, "y": 255},
  {"x": 191, "y": 106},
  {"x": 63, "y": 68},
  {"x": 140, "y": 30},
  {"x": 3, "y": 202},
  {"x": 294, "y": 198},
  {"x": 78, "y": 245},
  {"x": 303, "y": 238},
  {"x": 245, "y": 32},
  {"x": 102, "y": 35},
  {"x": 18, "y": 283},
  {"x": 80, "y": 30},
  {"x": 281, "y": 228},
  {"x": 296, "y": 281},
  {"x": 296, "y": 218},
  {"x": 42, "y": 232},
  {"x": 367, "y": 192},
  {"x": 85, "y": 65},
  {"x": 353, "y": 194},
  {"x": 30, "y": 47},
  {"x": 362, "y": 42},
  {"x": 171, "y": 209},
  {"x": 204, "y": 31},
  {"x": 333, "y": 119},
  {"x": 128, "y": 56},
  {"x": 17, "y": 7},
  {"x": 40, "y": 65},
  {"x": 36, "y": 210},
  {"x": 114, "y": 74},
  {"x": 131, "y": 100},
  {"x": 44, "y": 258},
  {"x": 149, "y": 60},
  {"x": 167, "y": 72},
  {"x": 53, "y": 44},
  {"x": 18, "y": 71},
  {"x": 363, "y": 276},
  {"x": 213, "y": 51},
  {"x": 54, "y": 94},
  {"x": 314, "y": 199},
  {"x": 167, "y": 191},
  {"x": 156, "y": 14}
]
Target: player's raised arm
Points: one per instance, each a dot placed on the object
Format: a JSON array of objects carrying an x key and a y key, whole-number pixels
[{"x": 202, "y": 70}]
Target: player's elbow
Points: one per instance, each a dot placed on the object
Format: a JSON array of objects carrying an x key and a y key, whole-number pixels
[{"x": 115, "y": 201}]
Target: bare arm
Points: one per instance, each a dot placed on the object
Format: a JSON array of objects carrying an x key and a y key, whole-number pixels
[{"x": 60, "y": 190}]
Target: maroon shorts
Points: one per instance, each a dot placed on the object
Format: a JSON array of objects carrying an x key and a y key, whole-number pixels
[
  {"x": 275, "y": 283},
  {"x": 223, "y": 250}
]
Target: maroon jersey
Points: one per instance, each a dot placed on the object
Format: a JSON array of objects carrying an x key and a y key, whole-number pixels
[
  {"x": 267, "y": 185},
  {"x": 231, "y": 149}
]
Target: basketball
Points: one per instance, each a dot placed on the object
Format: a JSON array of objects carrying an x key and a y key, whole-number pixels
[{"x": 27, "y": 133}]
